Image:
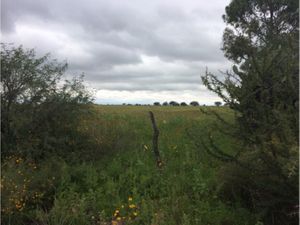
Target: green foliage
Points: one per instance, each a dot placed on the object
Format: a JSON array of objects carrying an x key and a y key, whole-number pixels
[
  {"x": 39, "y": 112},
  {"x": 194, "y": 103},
  {"x": 263, "y": 89},
  {"x": 218, "y": 103},
  {"x": 27, "y": 185},
  {"x": 184, "y": 191}
]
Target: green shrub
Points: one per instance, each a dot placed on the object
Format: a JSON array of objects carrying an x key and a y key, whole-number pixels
[{"x": 26, "y": 185}]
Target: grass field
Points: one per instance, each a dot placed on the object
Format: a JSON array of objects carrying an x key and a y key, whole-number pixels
[{"x": 115, "y": 180}]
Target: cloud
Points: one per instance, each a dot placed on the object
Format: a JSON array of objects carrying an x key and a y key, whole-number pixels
[{"x": 133, "y": 46}]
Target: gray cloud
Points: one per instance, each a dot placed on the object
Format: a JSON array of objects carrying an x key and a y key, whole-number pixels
[{"x": 123, "y": 45}]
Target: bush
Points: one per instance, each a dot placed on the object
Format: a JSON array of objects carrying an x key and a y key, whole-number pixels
[
  {"x": 39, "y": 112},
  {"x": 27, "y": 185}
]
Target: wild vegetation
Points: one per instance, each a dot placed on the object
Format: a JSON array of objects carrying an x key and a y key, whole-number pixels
[
  {"x": 67, "y": 161},
  {"x": 262, "y": 40},
  {"x": 118, "y": 180}
]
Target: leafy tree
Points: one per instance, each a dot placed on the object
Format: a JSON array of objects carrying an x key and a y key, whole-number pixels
[
  {"x": 165, "y": 104},
  {"x": 183, "y": 104},
  {"x": 194, "y": 103},
  {"x": 173, "y": 103},
  {"x": 36, "y": 103},
  {"x": 262, "y": 40},
  {"x": 218, "y": 104},
  {"x": 156, "y": 103}
]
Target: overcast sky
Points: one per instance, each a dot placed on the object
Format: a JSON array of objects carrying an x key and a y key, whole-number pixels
[{"x": 132, "y": 51}]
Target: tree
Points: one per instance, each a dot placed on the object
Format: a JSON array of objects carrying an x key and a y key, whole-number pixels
[
  {"x": 156, "y": 103},
  {"x": 183, "y": 104},
  {"x": 263, "y": 89},
  {"x": 218, "y": 104},
  {"x": 35, "y": 102},
  {"x": 194, "y": 103},
  {"x": 165, "y": 104},
  {"x": 173, "y": 103}
]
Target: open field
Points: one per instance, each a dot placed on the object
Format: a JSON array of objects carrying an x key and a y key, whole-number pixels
[{"x": 115, "y": 180}]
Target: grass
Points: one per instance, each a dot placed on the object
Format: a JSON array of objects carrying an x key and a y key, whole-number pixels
[{"x": 117, "y": 181}]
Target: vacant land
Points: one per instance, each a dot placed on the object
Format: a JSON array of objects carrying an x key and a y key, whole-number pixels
[{"x": 115, "y": 178}]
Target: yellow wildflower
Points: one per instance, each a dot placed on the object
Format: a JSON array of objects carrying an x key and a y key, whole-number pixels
[
  {"x": 132, "y": 206},
  {"x": 18, "y": 206},
  {"x": 130, "y": 199}
]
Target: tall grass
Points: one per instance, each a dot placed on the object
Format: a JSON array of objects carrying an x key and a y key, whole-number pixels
[{"x": 115, "y": 178}]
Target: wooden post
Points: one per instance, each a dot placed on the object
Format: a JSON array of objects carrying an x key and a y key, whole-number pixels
[{"x": 155, "y": 140}]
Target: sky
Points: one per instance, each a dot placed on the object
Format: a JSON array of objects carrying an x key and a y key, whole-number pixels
[{"x": 131, "y": 51}]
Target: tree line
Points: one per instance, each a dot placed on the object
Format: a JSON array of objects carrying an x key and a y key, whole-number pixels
[{"x": 174, "y": 103}]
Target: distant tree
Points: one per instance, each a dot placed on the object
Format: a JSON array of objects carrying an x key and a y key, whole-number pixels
[
  {"x": 183, "y": 104},
  {"x": 194, "y": 103},
  {"x": 218, "y": 104},
  {"x": 165, "y": 104},
  {"x": 156, "y": 103},
  {"x": 173, "y": 103}
]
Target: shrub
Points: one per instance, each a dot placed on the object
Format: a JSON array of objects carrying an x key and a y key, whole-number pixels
[
  {"x": 27, "y": 185},
  {"x": 39, "y": 112}
]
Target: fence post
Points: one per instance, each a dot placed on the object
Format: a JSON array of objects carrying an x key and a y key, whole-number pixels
[{"x": 155, "y": 140}]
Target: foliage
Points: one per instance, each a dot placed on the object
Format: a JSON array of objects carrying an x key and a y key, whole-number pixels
[
  {"x": 39, "y": 112},
  {"x": 184, "y": 191},
  {"x": 263, "y": 89},
  {"x": 26, "y": 185},
  {"x": 173, "y": 103},
  {"x": 194, "y": 103},
  {"x": 218, "y": 103}
]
